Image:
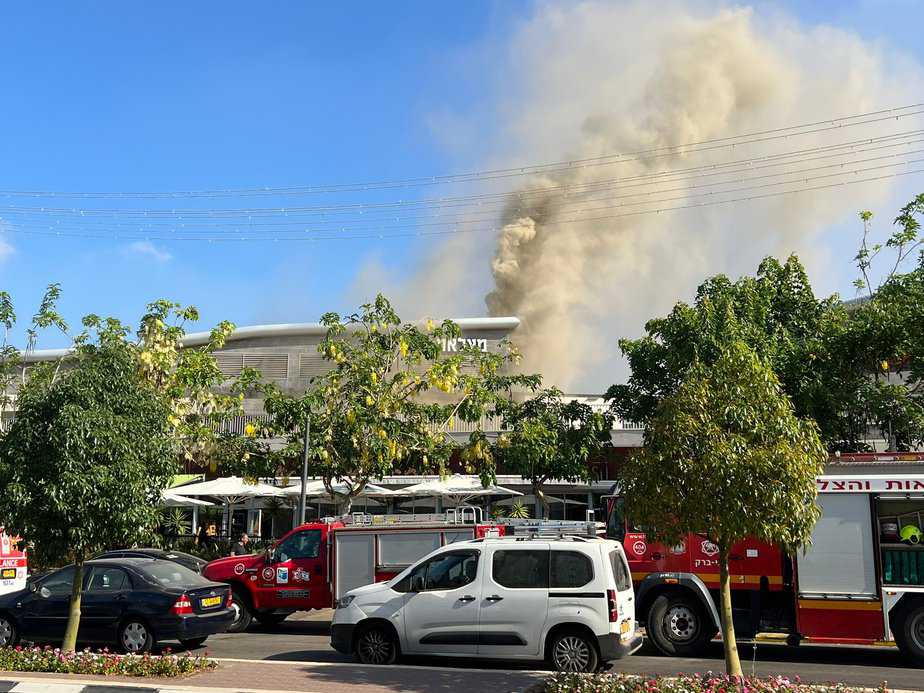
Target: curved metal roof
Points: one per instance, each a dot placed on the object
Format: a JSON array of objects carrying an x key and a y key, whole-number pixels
[{"x": 295, "y": 329}]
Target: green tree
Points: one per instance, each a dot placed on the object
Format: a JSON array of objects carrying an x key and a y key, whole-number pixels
[
  {"x": 390, "y": 399},
  {"x": 86, "y": 458},
  {"x": 547, "y": 437},
  {"x": 726, "y": 457}
]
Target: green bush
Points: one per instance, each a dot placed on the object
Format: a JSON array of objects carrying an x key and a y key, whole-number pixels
[
  {"x": 104, "y": 663},
  {"x": 685, "y": 683}
]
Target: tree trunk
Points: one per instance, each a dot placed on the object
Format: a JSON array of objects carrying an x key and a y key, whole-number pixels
[
  {"x": 732, "y": 663},
  {"x": 73, "y": 617},
  {"x": 543, "y": 501}
]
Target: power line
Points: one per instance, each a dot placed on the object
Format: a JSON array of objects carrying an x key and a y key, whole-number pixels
[
  {"x": 490, "y": 200},
  {"x": 825, "y": 125},
  {"x": 458, "y": 230}
]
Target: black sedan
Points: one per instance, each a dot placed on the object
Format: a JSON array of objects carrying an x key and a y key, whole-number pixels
[
  {"x": 186, "y": 560},
  {"x": 133, "y": 602}
]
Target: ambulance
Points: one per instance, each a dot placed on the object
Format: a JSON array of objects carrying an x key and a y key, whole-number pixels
[
  {"x": 12, "y": 564},
  {"x": 861, "y": 582}
]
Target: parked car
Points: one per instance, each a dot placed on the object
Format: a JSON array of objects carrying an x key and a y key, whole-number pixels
[
  {"x": 566, "y": 599},
  {"x": 132, "y": 602},
  {"x": 194, "y": 563}
]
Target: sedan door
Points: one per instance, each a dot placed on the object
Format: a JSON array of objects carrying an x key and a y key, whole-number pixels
[
  {"x": 46, "y": 610},
  {"x": 514, "y": 600},
  {"x": 441, "y": 609},
  {"x": 104, "y": 603}
]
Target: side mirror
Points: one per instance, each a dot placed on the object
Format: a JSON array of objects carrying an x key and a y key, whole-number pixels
[
  {"x": 33, "y": 586},
  {"x": 417, "y": 583},
  {"x": 269, "y": 555}
]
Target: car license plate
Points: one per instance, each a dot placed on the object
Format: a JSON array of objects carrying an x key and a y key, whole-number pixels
[
  {"x": 210, "y": 601},
  {"x": 8, "y": 574}
]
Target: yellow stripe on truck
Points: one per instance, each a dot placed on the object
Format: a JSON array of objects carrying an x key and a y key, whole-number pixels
[{"x": 840, "y": 605}]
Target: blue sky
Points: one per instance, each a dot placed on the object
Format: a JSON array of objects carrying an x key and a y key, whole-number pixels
[{"x": 179, "y": 95}]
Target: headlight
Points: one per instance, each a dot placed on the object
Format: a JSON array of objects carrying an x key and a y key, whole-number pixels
[{"x": 344, "y": 602}]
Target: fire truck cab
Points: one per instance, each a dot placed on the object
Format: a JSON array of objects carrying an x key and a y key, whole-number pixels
[
  {"x": 12, "y": 565},
  {"x": 860, "y": 582},
  {"x": 314, "y": 564}
]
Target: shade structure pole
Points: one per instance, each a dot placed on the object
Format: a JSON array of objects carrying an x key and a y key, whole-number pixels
[{"x": 300, "y": 520}]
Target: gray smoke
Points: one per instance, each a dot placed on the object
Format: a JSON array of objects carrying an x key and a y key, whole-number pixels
[{"x": 595, "y": 78}]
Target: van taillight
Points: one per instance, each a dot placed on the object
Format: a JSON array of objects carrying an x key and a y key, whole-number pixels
[
  {"x": 612, "y": 605},
  {"x": 181, "y": 606}
]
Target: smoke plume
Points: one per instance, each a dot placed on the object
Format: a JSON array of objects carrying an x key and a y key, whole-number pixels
[{"x": 587, "y": 80}]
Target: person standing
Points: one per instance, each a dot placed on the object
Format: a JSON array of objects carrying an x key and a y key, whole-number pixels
[{"x": 241, "y": 547}]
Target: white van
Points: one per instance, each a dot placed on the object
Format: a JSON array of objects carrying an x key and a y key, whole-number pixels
[{"x": 566, "y": 599}]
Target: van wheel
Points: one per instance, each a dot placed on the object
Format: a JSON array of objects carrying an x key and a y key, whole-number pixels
[
  {"x": 9, "y": 633},
  {"x": 376, "y": 645},
  {"x": 242, "y": 613},
  {"x": 678, "y": 626},
  {"x": 910, "y": 635},
  {"x": 573, "y": 651}
]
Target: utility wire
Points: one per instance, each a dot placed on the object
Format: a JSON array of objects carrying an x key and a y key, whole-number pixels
[{"x": 826, "y": 125}]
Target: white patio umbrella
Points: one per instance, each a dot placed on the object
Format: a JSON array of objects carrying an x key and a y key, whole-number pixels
[
  {"x": 231, "y": 489},
  {"x": 171, "y": 500},
  {"x": 314, "y": 488},
  {"x": 456, "y": 489}
]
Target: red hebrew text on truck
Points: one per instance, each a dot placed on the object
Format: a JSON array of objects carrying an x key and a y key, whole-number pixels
[
  {"x": 861, "y": 581},
  {"x": 316, "y": 563},
  {"x": 12, "y": 564}
]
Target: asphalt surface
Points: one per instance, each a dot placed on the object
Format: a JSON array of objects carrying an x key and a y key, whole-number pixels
[{"x": 305, "y": 638}]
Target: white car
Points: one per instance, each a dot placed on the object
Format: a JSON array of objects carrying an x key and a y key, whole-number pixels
[{"x": 567, "y": 599}]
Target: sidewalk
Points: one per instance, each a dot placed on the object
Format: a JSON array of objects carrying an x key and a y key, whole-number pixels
[{"x": 292, "y": 677}]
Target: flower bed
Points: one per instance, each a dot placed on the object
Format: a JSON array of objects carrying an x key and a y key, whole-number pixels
[
  {"x": 695, "y": 683},
  {"x": 104, "y": 663}
]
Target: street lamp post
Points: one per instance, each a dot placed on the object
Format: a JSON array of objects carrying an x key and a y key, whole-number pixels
[{"x": 300, "y": 519}]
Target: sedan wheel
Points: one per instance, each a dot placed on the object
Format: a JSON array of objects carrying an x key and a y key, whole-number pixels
[
  {"x": 572, "y": 652},
  {"x": 9, "y": 635},
  {"x": 135, "y": 638}
]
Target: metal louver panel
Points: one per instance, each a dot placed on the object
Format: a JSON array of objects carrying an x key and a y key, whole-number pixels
[
  {"x": 275, "y": 366},
  {"x": 312, "y": 365},
  {"x": 229, "y": 362}
]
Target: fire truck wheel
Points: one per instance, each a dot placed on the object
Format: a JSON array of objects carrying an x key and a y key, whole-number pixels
[
  {"x": 9, "y": 633},
  {"x": 677, "y": 626},
  {"x": 242, "y": 613},
  {"x": 271, "y": 618},
  {"x": 910, "y": 636},
  {"x": 376, "y": 645}
]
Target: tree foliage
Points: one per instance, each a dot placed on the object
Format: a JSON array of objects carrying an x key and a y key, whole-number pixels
[
  {"x": 726, "y": 456},
  {"x": 547, "y": 437},
  {"x": 391, "y": 398},
  {"x": 86, "y": 458}
]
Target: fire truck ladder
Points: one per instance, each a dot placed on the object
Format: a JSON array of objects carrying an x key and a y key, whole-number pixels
[{"x": 462, "y": 515}]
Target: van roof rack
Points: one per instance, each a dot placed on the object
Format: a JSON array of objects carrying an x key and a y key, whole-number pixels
[{"x": 552, "y": 529}]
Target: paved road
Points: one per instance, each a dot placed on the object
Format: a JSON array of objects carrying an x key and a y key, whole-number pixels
[{"x": 304, "y": 638}]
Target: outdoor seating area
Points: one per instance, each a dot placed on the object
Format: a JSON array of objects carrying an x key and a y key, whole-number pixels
[{"x": 229, "y": 506}]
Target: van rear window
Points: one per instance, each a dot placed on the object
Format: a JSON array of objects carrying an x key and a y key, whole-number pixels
[{"x": 620, "y": 571}]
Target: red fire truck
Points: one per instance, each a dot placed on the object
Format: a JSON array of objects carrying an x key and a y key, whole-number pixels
[
  {"x": 860, "y": 582},
  {"x": 316, "y": 563},
  {"x": 12, "y": 564}
]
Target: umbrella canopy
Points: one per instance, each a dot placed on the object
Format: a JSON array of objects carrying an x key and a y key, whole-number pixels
[
  {"x": 314, "y": 488},
  {"x": 233, "y": 489},
  {"x": 458, "y": 488},
  {"x": 171, "y": 500},
  {"x": 531, "y": 500}
]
